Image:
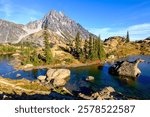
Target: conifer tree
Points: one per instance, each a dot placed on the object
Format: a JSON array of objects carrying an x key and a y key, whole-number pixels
[
  {"x": 47, "y": 50},
  {"x": 99, "y": 46},
  {"x": 90, "y": 47},
  {"x": 127, "y": 37},
  {"x": 96, "y": 48},
  {"x": 86, "y": 48},
  {"x": 77, "y": 43},
  {"x": 101, "y": 52},
  {"x": 82, "y": 56},
  {"x": 34, "y": 58}
]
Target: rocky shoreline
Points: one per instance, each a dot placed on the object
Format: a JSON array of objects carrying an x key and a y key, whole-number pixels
[{"x": 51, "y": 86}]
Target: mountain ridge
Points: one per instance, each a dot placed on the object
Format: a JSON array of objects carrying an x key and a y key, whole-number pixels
[{"x": 56, "y": 22}]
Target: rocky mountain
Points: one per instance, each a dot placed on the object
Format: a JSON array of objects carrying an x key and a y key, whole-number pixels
[
  {"x": 60, "y": 27},
  {"x": 10, "y": 32},
  {"x": 63, "y": 26}
]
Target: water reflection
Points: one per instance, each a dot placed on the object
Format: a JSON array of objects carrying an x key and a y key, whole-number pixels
[{"x": 128, "y": 81}]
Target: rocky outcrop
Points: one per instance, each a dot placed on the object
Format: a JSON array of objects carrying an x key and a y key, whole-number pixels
[
  {"x": 112, "y": 43},
  {"x": 108, "y": 93},
  {"x": 125, "y": 68}
]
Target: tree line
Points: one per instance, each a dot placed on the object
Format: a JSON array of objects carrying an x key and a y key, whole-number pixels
[{"x": 88, "y": 49}]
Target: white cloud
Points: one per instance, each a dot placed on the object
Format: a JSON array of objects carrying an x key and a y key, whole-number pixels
[
  {"x": 140, "y": 29},
  {"x": 137, "y": 32}
]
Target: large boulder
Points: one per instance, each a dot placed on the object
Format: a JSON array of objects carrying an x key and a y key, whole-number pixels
[
  {"x": 125, "y": 68},
  {"x": 58, "y": 77}
]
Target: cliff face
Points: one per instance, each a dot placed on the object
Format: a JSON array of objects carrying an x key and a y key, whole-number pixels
[{"x": 56, "y": 22}]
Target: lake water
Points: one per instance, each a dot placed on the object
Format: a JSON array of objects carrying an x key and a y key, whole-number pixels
[
  {"x": 136, "y": 88},
  {"x": 8, "y": 71}
]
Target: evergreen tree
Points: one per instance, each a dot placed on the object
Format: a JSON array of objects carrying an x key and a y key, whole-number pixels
[
  {"x": 95, "y": 49},
  {"x": 77, "y": 43},
  {"x": 127, "y": 37},
  {"x": 91, "y": 56},
  {"x": 86, "y": 48},
  {"x": 47, "y": 50},
  {"x": 34, "y": 59},
  {"x": 82, "y": 56},
  {"x": 99, "y": 47},
  {"x": 101, "y": 52}
]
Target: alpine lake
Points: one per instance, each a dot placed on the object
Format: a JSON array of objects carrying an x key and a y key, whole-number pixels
[{"x": 137, "y": 88}]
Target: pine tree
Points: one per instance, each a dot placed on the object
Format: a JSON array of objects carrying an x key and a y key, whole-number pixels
[
  {"x": 99, "y": 47},
  {"x": 128, "y": 37},
  {"x": 34, "y": 59},
  {"x": 95, "y": 50},
  {"x": 91, "y": 56},
  {"x": 47, "y": 50},
  {"x": 101, "y": 52},
  {"x": 77, "y": 43},
  {"x": 86, "y": 48},
  {"x": 82, "y": 56}
]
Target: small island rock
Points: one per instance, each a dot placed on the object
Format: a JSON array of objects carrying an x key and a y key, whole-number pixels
[
  {"x": 42, "y": 78},
  {"x": 90, "y": 78},
  {"x": 18, "y": 75},
  {"x": 125, "y": 68}
]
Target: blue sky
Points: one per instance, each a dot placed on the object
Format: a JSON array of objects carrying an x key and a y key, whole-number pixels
[{"x": 104, "y": 17}]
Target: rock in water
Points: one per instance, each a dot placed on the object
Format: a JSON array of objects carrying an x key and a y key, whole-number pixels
[
  {"x": 58, "y": 76},
  {"x": 28, "y": 66},
  {"x": 18, "y": 75},
  {"x": 125, "y": 68},
  {"x": 42, "y": 78},
  {"x": 90, "y": 78}
]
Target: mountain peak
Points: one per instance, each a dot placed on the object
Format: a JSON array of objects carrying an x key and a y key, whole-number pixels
[
  {"x": 55, "y": 13},
  {"x": 60, "y": 23}
]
